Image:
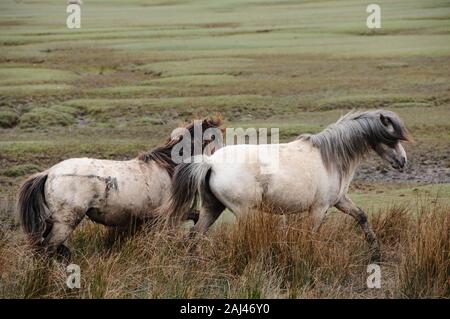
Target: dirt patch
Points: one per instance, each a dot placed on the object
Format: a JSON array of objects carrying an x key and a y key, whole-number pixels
[{"x": 430, "y": 167}]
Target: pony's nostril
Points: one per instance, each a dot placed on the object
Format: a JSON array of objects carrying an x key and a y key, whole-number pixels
[{"x": 403, "y": 162}]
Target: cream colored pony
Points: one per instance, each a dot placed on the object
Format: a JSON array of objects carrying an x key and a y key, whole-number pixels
[
  {"x": 114, "y": 193},
  {"x": 314, "y": 173}
]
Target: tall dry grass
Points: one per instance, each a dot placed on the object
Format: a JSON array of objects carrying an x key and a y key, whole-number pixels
[{"x": 261, "y": 256}]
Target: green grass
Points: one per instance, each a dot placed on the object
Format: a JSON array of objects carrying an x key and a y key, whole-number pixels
[
  {"x": 15, "y": 76},
  {"x": 22, "y": 170},
  {"x": 406, "y": 196},
  {"x": 43, "y": 117},
  {"x": 374, "y": 101},
  {"x": 24, "y": 91}
]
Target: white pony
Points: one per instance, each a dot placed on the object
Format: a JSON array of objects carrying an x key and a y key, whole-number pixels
[
  {"x": 314, "y": 173},
  {"x": 114, "y": 193}
]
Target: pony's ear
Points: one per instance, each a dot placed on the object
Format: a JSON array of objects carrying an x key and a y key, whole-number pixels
[
  {"x": 387, "y": 123},
  {"x": 211, "y": 122},
  {"x": 178, "y": 134},
  {"x": 385, "y": 120}
]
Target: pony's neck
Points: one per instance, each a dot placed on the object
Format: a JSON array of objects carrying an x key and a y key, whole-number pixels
[{"x": 342, "y": 148}]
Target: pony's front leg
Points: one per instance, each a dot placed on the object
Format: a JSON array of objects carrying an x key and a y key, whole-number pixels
[
  {"x": 346, "y": 205},
  {"x": 318, "y": 215}
]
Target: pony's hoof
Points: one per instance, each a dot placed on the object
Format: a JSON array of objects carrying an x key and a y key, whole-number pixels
[{"x": 63, "y": 254}]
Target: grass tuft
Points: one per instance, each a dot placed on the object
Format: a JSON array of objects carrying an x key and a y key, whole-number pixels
[
  {"x": 8, "y": 119},
  {"x": 21, "y": 170},
  {"x": 43, "y": 117}
]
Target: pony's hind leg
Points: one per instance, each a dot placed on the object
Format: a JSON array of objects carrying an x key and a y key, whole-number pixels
[
  {"x": 210, "y": 210},
  {"x": 53, "y": 242},
  {"x": 347, "y": 206}
]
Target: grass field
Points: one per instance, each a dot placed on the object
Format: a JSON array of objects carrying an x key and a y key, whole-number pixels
[{"x": 137, "y": 69}]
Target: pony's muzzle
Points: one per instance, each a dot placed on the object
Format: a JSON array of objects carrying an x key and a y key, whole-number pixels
[
  {"x": 403, "y": 162},
  {"x": 399, "y": 163}
]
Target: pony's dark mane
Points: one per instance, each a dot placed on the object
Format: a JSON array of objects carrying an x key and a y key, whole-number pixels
[
  {"x": 162, "y": 155},
  {"x": 353, "y": 135}
]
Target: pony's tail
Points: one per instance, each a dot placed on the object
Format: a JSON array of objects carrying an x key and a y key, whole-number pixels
[
  {"x": 188, "y": 181},
  {"x": 32, "y": 207}
]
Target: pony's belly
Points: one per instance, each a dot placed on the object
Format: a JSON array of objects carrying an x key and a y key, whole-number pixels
[
  {"x": 282, "y": 207},
  {"x": 118, "y": 208},
  {"x": 108, "y": 218},
  {"x": 288, "y": 201}
]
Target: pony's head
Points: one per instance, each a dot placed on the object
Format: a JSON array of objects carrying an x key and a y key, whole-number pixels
[
  {"x": 346, "y": 142},
  {"x": 201, "y": 132},
  {"x": 386, "y": 140}
]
